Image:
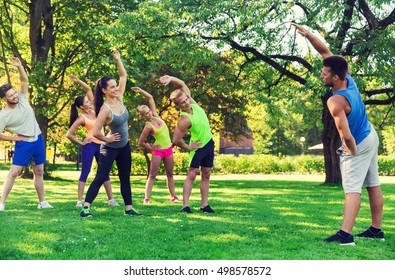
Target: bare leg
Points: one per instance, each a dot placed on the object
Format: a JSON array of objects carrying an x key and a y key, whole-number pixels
[
  {"x": 155, "y": 162},
  {"x": 205, "y": 185},
  {"x": 15, "y": 170},
  {"x": 81, "y": 187},
  {"x": 169, "y": 166},
  {"x": 376, "y": 205},
  {"x": 188, "y": 184},
  {"x": 108, "y": 188},
  {"x": 38, "y": 171},
  {"x": 351, "y": 208}
]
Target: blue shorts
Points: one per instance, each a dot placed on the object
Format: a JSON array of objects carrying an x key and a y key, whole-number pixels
[
  {"x": 29, "y": 152},
  {"x": 203, "y": 156}
]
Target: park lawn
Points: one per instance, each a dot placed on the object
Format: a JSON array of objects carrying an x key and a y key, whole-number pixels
[{"x": 257, "y": 217}]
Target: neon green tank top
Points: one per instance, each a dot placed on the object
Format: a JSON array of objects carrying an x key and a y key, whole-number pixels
[
  {"x": 200, "y": 129},
  {"x": 161, "y": 134}
]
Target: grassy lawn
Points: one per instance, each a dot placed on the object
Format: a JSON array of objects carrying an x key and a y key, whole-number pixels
[{"x": 257, "y": 217}]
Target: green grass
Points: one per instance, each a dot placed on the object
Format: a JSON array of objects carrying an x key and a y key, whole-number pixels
[{"x": 257, "y": 218}]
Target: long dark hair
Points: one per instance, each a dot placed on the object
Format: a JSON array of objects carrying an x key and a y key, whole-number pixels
[
  {"x": 78, "y": 102},
  {"x": 100, "y": 85}
]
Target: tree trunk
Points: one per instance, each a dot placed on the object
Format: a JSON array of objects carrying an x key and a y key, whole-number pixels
[{"x": 331, "y": 142}]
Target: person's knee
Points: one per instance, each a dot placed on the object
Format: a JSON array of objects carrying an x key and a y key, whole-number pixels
[
  {"x": 192, "y": 173},
  {"x": 14, "y": 173},
  {"x": 38, "y": 171},
  {"x": 206, "y": 173}
]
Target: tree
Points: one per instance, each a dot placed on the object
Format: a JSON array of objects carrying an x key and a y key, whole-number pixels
[{"x": 260, "y": 31}]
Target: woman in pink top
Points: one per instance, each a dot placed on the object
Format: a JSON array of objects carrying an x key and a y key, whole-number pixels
[{"x": 90, "y": 145}]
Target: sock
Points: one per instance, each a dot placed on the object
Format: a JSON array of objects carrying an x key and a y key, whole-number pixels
[
  {"x": 374, "y": 230},
  {"x": 343, "y": 233}
]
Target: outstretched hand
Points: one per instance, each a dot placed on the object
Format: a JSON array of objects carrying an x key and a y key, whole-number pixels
[
  {"x": 136, "y": 89},
  {"x": 165, "y": 80},
  {"x": 16, "y": 61},
  {"x": 73, "y": 78},
  {"x": 116, "y": 55},
  {"x": 301, "y": 30}
]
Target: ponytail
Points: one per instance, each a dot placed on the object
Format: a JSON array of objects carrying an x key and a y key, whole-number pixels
[
  {"x": 99, "y": 99},
  {"x": 78, "y": 102}
]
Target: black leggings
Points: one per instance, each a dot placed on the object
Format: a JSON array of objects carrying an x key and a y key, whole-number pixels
[{"x": 123, "y": 158}]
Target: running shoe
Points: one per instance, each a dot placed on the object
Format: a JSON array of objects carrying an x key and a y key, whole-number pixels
[
  {"x": 112, "y": 202},
  {"x": 187, "y": 210},
  {"x": 207, "y": 209},
  {"x": 44, "y": 205},
  {"x": 132, "y": 212},
  {"x": 146, "y": 201},
  {"x": 370, "y": 234},
  {"x": 79, "y": 204},
  {"x": 340, "y": 238},
  {"x": 2, "y": 206},
  {"x": 174, "y": 199},
  {"x": 86, "y": 212}
]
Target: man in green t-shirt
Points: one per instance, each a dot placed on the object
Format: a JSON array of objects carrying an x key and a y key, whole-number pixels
[{"x": 201, "y": 145}]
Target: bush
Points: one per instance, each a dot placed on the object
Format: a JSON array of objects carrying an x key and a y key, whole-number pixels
[{"x": 257, "y": 164}]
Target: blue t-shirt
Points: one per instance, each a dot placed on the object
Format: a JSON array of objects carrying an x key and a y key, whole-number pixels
[{"x": 357, "y": 118}]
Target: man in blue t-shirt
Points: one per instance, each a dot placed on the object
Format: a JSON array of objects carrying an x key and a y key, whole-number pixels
[{"x": 358, "y": 153}]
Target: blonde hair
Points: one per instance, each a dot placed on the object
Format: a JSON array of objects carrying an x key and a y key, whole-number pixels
[
  {"x": 141, "y": 107},
  {"x": 175, "y": 94}
]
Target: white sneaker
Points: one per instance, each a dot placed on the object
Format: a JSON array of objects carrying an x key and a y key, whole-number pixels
[
  {"x": 112, "y": 202},
  {"x": 44, "y": 205},
  {"x": 79, "y": 204},
  {"x": 2, "y": 206}
]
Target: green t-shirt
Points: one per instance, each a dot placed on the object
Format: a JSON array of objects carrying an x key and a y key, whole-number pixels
[{"x": 200, "y": 129}]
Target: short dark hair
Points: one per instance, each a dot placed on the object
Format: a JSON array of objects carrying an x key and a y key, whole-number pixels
[
  {"x": 4, "y": 89},
  {"x": 338, "y": 65}
]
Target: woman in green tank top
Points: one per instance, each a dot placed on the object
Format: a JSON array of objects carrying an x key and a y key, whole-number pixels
[{"x": 162, "y": 149}]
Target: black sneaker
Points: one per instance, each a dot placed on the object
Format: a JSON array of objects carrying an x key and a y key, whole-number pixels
[
  {"x": 370, "y": 234},
  {"x": 86, "y": 212},
  {"x": 186, "y": 209},
  {"x": 207, "y": 209},
  {"x": 132, "y": 212},
  {"x": 338, "y": 237}
]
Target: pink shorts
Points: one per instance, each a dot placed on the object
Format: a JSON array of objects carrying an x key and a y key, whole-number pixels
[{"x": 164, "y": 153}]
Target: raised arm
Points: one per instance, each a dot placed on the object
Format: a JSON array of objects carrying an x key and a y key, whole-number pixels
[
  {"x": 178, "y": 83},
  {"x": 121, "y": 72},
  {"x": 320, "y": 47},
  {"x": 149, "y": 98},
  {"x": 22, "y": 75},
  {"x": 88, "y": 89}
]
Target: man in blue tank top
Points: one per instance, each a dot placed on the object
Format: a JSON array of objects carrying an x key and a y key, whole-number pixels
[{"x": 358, "y": 153}]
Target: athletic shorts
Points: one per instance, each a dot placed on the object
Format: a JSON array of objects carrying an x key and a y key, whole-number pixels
[
  {"x": 361, "y": 169},
  {"x": 203, "y": 156},
  {"x": 29, "y": 152},
  {"x": 163, "y": 153}
]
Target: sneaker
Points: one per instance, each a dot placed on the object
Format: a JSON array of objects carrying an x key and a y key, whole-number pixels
[
  {"x": 174, "y": 199},
  {"x": 2, "y": 206},
  {"x": 146, "y": 201},
  {"x": 86, "y": 212},
  {"x": 338, "y": 237},
  {"x": 186, "y": 209},
  {"x": 132, "y": 212},
  {"x": 370, "y": 234},
  {"x": 112, "y": 202},
  {"x": 79, "y": 204},
  {"x": 207, "y": 209},
  {"x": 44, "y": 205}
]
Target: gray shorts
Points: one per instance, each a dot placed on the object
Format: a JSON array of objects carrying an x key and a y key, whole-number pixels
[{"x": 361, "y": 169}]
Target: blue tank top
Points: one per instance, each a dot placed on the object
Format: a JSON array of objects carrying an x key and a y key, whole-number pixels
[
  {"x": 119, "y": 124},
  {"x": 357, "y": 118}
]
